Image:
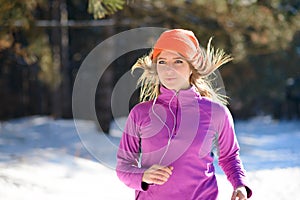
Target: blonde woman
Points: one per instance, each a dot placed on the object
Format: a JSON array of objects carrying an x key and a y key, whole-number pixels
[{"x": 170, "y": 139}]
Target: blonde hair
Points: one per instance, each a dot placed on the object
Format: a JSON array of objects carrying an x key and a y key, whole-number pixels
[{"x": 201, "y": 78}]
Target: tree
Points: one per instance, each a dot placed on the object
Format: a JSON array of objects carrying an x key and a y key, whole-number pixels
[
  {"x": 260, "y": 35},
  {"x": 27, "y": 47},
  {"x": 26, "y": 60}
]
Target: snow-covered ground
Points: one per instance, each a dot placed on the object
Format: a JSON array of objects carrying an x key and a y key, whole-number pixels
[{"x": 43, "y": 158}]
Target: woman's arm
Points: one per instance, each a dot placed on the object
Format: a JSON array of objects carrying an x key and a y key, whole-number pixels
[
  {"x": 128, "y": 169},
  {"x": 229, "y": 159}
]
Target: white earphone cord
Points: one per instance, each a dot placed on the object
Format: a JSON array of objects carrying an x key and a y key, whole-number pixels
[{"x": 169, "y": 132}]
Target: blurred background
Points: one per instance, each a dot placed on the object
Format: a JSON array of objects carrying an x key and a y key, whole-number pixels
[{"x": 44, "y": 42}]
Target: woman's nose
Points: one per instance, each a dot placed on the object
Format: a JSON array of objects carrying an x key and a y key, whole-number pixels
[
  {"x": 169, "y": 67},
  {"x": 169, "y": 70}
]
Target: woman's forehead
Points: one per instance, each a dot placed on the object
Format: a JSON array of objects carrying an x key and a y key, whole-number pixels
[{"x": 169, "y": 54}]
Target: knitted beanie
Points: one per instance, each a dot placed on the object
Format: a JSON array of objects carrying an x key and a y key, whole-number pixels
[{"x": 179, "y": 40}]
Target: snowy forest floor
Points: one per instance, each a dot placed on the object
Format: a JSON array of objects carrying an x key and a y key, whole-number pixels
[{"x": 43, "y": 158}]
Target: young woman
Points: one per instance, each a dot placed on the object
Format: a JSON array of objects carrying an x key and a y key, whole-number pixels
[{"x": 170, "y": 139}]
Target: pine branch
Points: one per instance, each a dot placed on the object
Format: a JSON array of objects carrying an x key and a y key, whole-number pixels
[{"x": 101, "y": 8}]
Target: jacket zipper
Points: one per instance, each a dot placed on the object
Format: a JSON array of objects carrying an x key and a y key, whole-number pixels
[{"x": 176, "y": 116}]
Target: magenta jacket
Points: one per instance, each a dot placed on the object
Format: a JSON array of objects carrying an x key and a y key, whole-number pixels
[{"x": 183, "y": 130}]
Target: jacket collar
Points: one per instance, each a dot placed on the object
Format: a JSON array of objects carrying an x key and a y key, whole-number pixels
[{"x": 183, "y": 97}]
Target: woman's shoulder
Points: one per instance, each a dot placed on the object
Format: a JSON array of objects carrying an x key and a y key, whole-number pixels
[
  {"x": 142, "y": 107},
  {"x": 216, "y": 108},
  {"x": 205, "y": 101},
  {"x": 217, "y": 111},
  {"x": 140, "y": 112}
]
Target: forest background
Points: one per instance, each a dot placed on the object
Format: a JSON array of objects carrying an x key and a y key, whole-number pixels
[{"x": 44, "y": 42}]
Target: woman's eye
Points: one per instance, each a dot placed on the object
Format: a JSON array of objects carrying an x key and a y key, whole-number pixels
[
  {"x": 161, "y": 62},
  {"x": 178, "y": 61}
]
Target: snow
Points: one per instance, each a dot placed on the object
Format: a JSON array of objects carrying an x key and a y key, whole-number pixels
[{"x": 44, "y": 158}]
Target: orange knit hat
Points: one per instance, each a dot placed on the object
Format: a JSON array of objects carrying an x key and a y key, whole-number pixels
[{"x": 181, "y": 41}]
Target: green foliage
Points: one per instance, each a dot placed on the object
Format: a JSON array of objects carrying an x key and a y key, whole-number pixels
[
  {"x": 15, "y": 13},
  {"x": 17, "y": 17},
  {"x": 101, "y": 8},
  {"x": 40, "y": 52}
]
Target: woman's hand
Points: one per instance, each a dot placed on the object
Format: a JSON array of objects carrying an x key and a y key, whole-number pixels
[
  {"x": 157, "y": 174},
  {"x": 239, "y": 193}
]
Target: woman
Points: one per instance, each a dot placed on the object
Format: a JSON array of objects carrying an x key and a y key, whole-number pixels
[{"x": 166, "y": 150}]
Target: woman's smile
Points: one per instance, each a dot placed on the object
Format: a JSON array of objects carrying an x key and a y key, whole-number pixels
[{"x": 170, "y": 78}]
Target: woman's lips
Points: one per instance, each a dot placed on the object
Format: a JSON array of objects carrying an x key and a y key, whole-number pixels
[{"x": 170, "y": 79}]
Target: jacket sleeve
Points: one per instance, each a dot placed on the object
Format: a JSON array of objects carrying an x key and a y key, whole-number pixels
[
  {"x": 229, "y": 159},
  {"x": 128, "y": 169}
]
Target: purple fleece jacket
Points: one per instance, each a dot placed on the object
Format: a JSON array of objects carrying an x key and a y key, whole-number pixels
[{"x": 180, "y": 130}]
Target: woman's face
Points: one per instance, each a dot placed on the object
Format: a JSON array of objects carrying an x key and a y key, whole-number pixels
[{"x": 173, "y": 70}]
